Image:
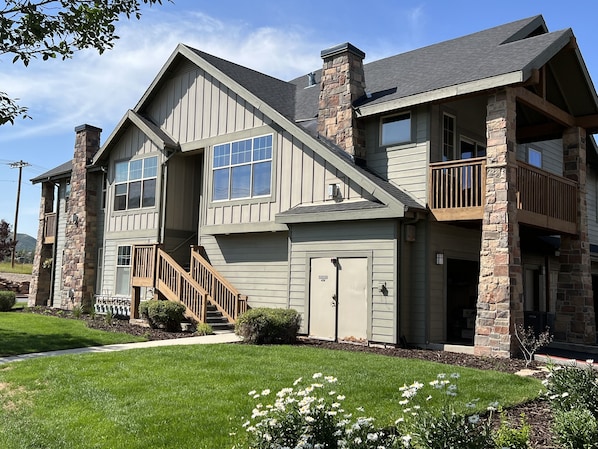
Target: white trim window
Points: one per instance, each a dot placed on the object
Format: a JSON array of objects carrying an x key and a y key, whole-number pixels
[
  {"x": 395, "y": 129},
  {"x": 448, "y": 137},
  {"x": 534, "y": 157},
  {"x": 135, "y": 183},
  {"x": 242, "y": 169},
  {"x": 123, "y": 271}
]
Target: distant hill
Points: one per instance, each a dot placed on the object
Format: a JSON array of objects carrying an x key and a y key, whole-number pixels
[{"x": 25, "y": 242}]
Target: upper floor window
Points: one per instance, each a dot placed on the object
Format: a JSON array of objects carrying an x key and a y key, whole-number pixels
[
  {"x": 448, "y": 137},
  {"x": 242, "y": 169},
  {"x": 469, "y": 148},
  {"x": 534, "y": 157},
  {"x": 396, "y": 129},
  {"x": 135, "y": 183}
]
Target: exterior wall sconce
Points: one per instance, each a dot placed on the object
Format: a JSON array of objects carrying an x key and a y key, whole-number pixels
[
  {"x": 439, "y": 258},
  {"x": 75, "y": 219}
]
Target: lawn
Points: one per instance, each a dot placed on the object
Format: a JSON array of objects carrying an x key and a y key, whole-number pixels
[
  {"x": 19, "y": 268},
  {"x": 195, "y": 396},
  {"x": 23, "y": 333}
]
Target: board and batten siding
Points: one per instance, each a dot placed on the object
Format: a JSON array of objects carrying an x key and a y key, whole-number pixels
[
  {"x": 374, "y": 239},
  {"x": 299, "y": 177},
  {"x": 255, "y": 264},
  {"x": 455, "y": 243},
  {"x": 132, "y": 145},
  {"x": 192, "y": 106},
  {"x": 404, "y": 165}
]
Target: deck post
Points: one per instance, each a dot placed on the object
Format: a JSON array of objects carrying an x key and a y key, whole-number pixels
[
  {"x": 574, "y": 319},
  {"x": 500, "y": 292}
]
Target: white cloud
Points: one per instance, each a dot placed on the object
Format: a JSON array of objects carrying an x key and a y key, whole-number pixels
[{"x": 94, "y": 88}]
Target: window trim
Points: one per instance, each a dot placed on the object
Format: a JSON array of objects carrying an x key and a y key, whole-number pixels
[
  {"x": 537, "y": 151},
  {"x": 410, "y": 140},
  {"x": 121, "y": 266},
  {"x": 141, "y": 180},
  {"x": 475, "y": 142},
  {"x": 252, "y": 163},
  {"x": 454, "y": 142}
]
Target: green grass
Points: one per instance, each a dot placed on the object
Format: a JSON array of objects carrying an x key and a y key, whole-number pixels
[
  {"x": 194, "y": 396},
  {"x": 19, "y": 268},
  {"x": 23, "y": 333}
]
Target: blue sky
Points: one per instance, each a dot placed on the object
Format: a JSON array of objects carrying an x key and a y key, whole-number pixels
[{"x": 282, "y": 39}]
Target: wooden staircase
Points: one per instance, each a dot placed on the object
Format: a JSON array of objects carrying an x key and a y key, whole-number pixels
[{"x": 206, "y": 294}]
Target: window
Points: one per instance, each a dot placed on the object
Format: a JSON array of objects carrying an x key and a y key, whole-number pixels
[
  {"x": 396, "y": 129},
  {"x": 469, "y": 148},
  {"x": 534, "y": 157},
  {"x": 448, "y": 138},
  {"x": 242, "y": 169},
  {"x": 123, "y": 271},
  {"x": 135, "y": 183}
]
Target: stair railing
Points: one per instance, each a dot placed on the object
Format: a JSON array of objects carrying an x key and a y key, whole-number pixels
[
  {"x": 222, "y": 294},
  {"x": 178, "y": 285}
]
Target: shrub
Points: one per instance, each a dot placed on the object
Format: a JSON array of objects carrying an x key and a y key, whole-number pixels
[
  {"x": 576, "y": 429},
  {"x": 267, "y": 326},
  {"x": 570, "y": 388},
  {"x": 77, "y": 311},
  {"x": 204, "y": 329},
  {"x": 7, "y": 300},
  {"x": 310, "y": 416},
  {"x": 509, "y": 437},
  {"x": 165, "y": 314}
]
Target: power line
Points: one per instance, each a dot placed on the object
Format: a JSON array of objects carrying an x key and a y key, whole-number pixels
[{"x": 19, "y": 165}]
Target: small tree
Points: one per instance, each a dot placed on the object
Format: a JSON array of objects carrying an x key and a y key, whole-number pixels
[
  {"x": 529, "y": 342},
  {"x": 6, "y": 242}
]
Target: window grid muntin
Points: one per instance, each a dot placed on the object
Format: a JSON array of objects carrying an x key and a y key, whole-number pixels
[
  {"x": 131, "y": 178},
  {"x": 231, "y": 157}
]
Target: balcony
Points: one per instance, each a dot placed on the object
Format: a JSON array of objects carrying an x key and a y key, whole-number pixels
[
  {"x": 50, "y": 228},
  {"x": 458, "y": 190}
]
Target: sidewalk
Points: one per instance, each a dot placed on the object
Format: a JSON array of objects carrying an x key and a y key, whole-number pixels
[{"x": 225, "y": 337}]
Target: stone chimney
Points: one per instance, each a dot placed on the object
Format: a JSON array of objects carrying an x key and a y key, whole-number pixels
[
  {"x": 342, "y": 83},
  {"x": 79, "y": 260}
]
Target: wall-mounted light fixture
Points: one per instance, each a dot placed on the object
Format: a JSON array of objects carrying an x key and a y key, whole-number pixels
[
  {"x": 75, "y": 219},
  {"x": 439, "y": 258}
]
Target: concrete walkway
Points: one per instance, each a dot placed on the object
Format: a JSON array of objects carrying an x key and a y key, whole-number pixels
[{"x": 224, "y": 337}]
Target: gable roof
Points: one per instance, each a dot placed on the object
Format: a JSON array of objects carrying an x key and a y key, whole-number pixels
[{"x": 495, "y": 57}]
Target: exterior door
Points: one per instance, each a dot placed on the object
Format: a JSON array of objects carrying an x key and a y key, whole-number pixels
[{"x": 338, "y": 298}]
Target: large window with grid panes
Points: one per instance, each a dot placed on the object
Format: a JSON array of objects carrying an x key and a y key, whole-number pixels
[
  {"x": 135, "y": 183},
  {"x": 242, "y": 169}
]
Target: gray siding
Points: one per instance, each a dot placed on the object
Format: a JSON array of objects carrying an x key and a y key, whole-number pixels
[
  {"x": 552, "y": 155},
  {"x": 592, "y": 204},
  {"x": 404, "y": 165},
  {"x": 456, "y": 243},
  {"x": 133, "y": 144},
  {"x": 256, "y": 265},
  {"x": 375, "y": 239},
  {"x": 60, "y": 242}
]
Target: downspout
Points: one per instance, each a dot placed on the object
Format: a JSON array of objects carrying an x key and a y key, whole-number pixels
[{"x": 162, "y": 208}]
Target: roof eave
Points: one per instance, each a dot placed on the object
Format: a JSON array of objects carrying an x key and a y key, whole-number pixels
[{"x": 444, "y": 93}]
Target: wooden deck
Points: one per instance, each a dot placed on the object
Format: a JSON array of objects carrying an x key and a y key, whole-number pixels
[
  {"x": 202, "y": 285},
  {"x": 458, "y": 190}
]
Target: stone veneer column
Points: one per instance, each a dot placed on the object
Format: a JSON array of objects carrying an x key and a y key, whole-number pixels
[
  {"x": 79, "y": 260},
  {"x": 574, "y": 314},
  {"x": 41, "y": 278},
  {"x": 500, "y": 294},
  {"x": 343, "y": 82}
]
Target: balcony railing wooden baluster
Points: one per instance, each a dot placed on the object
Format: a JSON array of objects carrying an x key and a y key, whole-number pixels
[
  {"x": 458, "y": 191},
  {"x": 50, "y": 227}
]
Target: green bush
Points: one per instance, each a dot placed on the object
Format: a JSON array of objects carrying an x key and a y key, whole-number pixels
[
  {"x": 576, "y": 429},
  {"x": 166, "y": 314},
  {"x": 7, "y": 300},
  {"x": 573, "y": 388},
  {"x": 267, "y": 326},
  {"x": 511, "y": 437},
  {"x": 204, "y": 329}
]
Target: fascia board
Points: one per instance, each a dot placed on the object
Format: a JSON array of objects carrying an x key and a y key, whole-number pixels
[
  {"x": 444, "y": 93},
  {"x": 362, "y": 214}
]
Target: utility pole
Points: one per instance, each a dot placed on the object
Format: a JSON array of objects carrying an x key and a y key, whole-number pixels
[{"x": 19, "y": 165}]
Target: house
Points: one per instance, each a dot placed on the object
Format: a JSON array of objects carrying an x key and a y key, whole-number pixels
[{"x": 440, "y": 196}]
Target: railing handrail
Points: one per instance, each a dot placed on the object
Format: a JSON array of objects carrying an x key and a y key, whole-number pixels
[
  {"x": 547, "y": 174},
  {"x": 457, "y": 162}
]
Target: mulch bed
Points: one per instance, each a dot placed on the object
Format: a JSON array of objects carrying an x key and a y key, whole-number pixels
[{"x": 537, "y": 413}]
